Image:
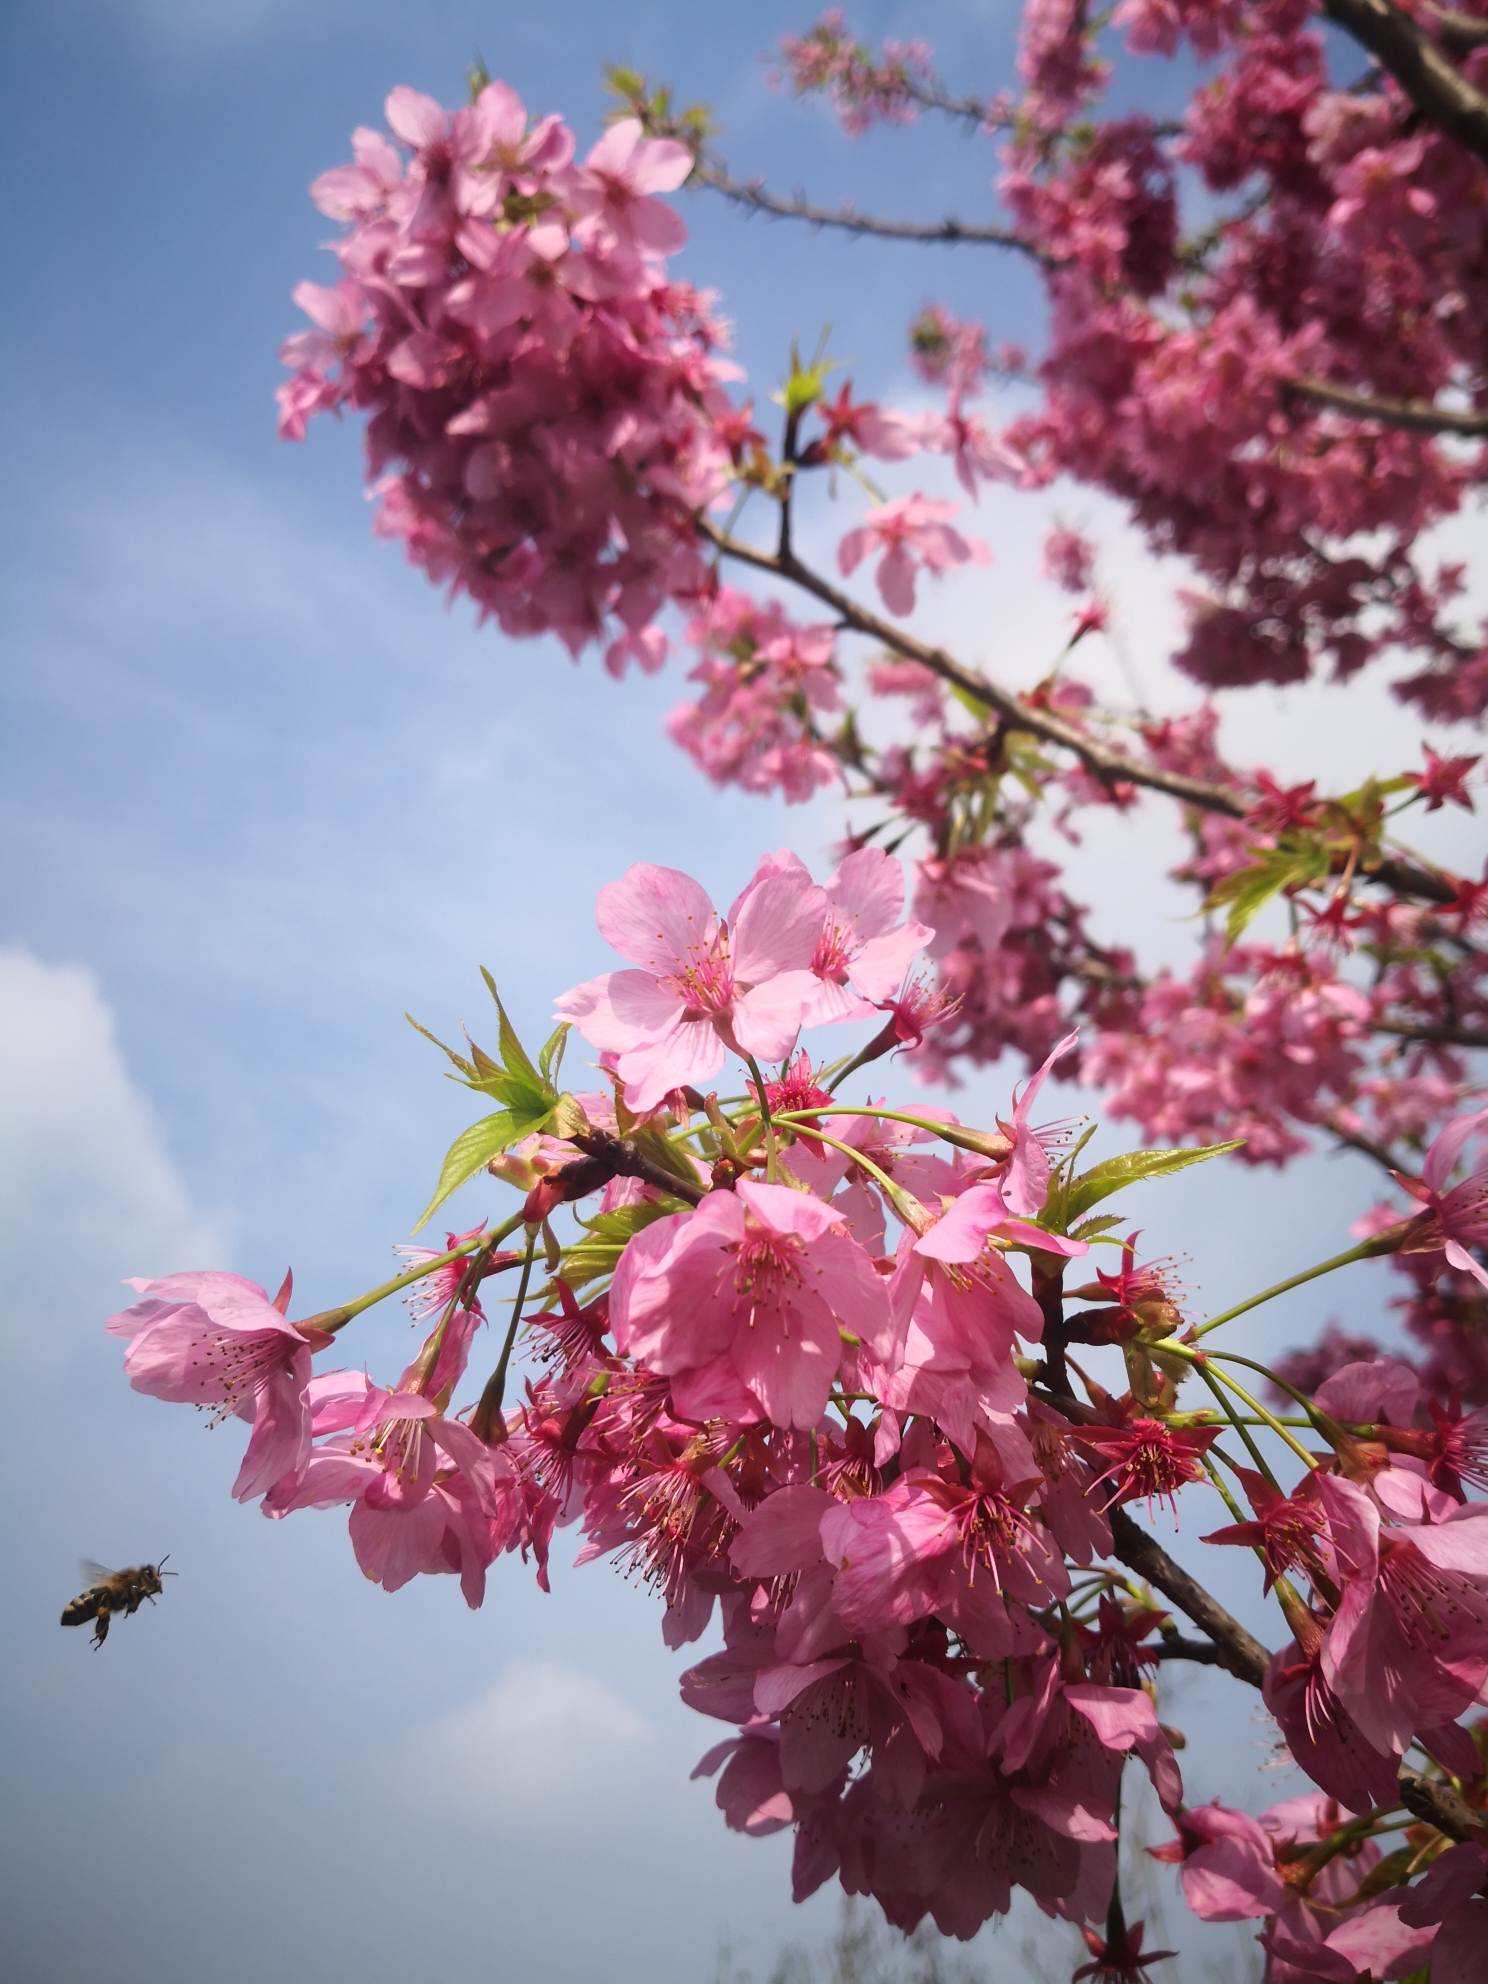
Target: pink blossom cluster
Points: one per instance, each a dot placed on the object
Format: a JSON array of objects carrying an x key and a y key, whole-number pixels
[
  {"x": 867, "y": 89},
  {"x": 1253, "y": 1042},
  {"x": 541, "y": 397},
  {"x": 1169, "y": 380},
  {"x": 820, "y": 1391},
  {"x": 767, "y": 684}
]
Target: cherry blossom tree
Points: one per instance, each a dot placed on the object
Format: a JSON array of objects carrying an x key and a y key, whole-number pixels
[{"x": 893, "y": 1401}]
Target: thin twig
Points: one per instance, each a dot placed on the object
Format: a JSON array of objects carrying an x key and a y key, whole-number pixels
[
  {"x": 1442, "y": 1036},
  {"x": 1107, "y": 765},
  {"x": 1421, "y": 415},
  {"x": 948, "y": 232},
  {"x": 1234, "y": 1648}
]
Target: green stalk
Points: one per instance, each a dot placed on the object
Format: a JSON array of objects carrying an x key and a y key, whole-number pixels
[
  {"x": 765, "y": 1121},
  {"x": 1366, "y": 1250},
  {"x": 331, "y": 1320},
  {"x": 489, "y": 1408}
]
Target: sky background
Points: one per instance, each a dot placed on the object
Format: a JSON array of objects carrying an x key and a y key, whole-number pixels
[{"x": 261, "y": 793}]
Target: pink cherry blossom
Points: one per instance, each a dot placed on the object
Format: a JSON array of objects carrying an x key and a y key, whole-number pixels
[
  {"x": 1408, "y": 1647},
  {"x": 1456, "y": 1216},
  {"x": 612, "y": 191},
  {"x": 1228, "y": 1867},
  {"x": 761, "y": 1281},
  {"x": 215, "y": 1340},
  {"x": 702, "y": 986},
  {"x": 910, "y": 532}
]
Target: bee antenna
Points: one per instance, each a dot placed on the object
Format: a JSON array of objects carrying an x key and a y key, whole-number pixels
[{"x": 165, "y": 1560}]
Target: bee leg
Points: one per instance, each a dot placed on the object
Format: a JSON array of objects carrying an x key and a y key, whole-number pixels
[{"x": 100, "y": 1627}]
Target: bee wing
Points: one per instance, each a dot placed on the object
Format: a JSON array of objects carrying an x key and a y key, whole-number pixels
[{"x": 94, "y": 1573}]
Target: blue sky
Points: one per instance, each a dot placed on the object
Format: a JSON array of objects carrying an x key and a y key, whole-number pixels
[{"x": 263, "y": 792}]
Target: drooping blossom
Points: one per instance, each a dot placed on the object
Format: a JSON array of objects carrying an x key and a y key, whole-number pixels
[
  {"x": 216, "y": 1341},
  {"x": 1456, "y": 1216}
]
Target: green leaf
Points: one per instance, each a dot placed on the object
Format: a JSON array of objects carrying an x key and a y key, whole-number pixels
[
  {"x": 550, "y": 1056},
  {"x": 1091, "y": 1229},
  {"x": 606, "y": 1237},
  {"x": 968, "y": 701},
  {"x": 467, "y": 1068},
  {"x": 476, "y": 1147},
  {"x": 1101, "y": 1180},
  {"x": 1248, "y": 890},
  {"x": 566, "y": 1118},
  {"x": 523, "y": 1076}
]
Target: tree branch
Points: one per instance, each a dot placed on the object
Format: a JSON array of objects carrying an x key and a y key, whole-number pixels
[
  {"x": 1203, "y": 1653},
  {"x": 1418, "y": 414},
  {"x": 974, "y": 109},
  {"x": 618, "y": 1157},
  {"x": 1234, "y": 1647},
  {"x": 1443, "y": 1036},
  {"x": 1106, "y": 764},
  {"x": 1461, "y": 33},
  {"x": 1439, "y": 1805},
  {"x": 1358, "y": 1141},
  {"x": 1408, "y": 880},
  {"x": 752, "y": 195},
  {"x": 1419, "y": 65}
]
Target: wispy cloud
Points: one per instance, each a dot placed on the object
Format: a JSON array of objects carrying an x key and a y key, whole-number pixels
[
  {"x": 523, "y": 1751},
  {"x": 88, "y": 1189}
]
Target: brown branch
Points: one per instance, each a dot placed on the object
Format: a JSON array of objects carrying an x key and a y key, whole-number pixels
[
  {"x": 1356, "y": 1140},
  {"x": 1443, "y": 1036},
  {"x": 1234, "y": 1647},
  {"x": 1418, "y": 414},
  {"x": 1461, "y": 33},
  {"x": 1439, "y": 1805},
  {"x": 618, "y": 1157},
  {"x": 1406, "y": 879},
  {"x": 1419, "y": 65},
  {"x": 974, "y": 109},
  {"x": 1106, "y": 764},
  {"x": 1203, "y": 1653},
  {"x": 951, "y": 232}
]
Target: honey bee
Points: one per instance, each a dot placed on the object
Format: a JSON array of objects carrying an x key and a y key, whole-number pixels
[{"x": 112, "y": 1592}]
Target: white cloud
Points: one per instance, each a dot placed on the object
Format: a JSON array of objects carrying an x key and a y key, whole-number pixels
[
  {"x": 186, "y": 29},
  {"x": 88, "y": 1190},
  {"x": 542, "y": 1736}
]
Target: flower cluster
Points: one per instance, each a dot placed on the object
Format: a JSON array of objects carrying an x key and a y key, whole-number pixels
[
  {"x": 542, "y": 399},
  {"x": 766, "y": 684},
  {"x": 807, "y": 1370},
  {"x": 867, "y": 89}
]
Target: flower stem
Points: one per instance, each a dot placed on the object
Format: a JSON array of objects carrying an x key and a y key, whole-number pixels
[
  {"x": 1228, "y": 1408},
  {"x": 488, "y": 1411},
  {"x": 1267, "y": 1418},
  {"x": 1380, "y": 1243},
  {"x": 331, "y": 1320},
  {"x": 765, "y": 1119}
]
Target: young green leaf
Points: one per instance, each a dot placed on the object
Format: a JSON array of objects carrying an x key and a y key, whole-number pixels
[
  {"x": 606, "y": 1237},
  {"x": 1248, "y": 890},
  {"x": 467, "y": 1068},
  {"x": 514, "y": 1056},
  {"x": 1101, "y": 1180},
  {"x": 470, "y": 1150},
  {"x": 550, "y": 1055}
]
